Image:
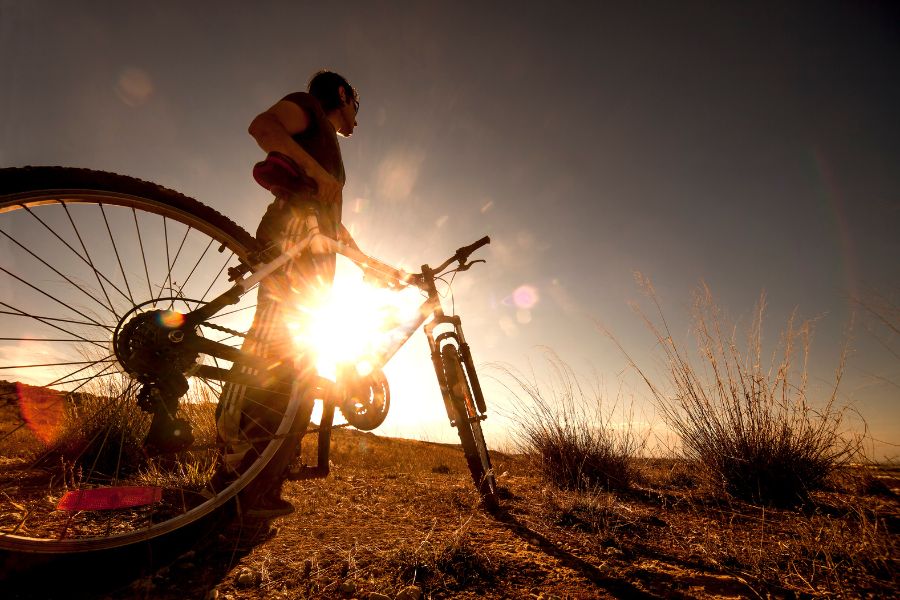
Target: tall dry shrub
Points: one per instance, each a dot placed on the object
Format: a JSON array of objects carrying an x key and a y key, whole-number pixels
[
  {"x": 750, "y": 421},
  {"x": 572, "y": 433}
]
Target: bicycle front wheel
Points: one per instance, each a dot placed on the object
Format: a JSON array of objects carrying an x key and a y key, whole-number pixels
[
  {"x": 468, "y": 426},
  {"x": 85, "y": 253}
]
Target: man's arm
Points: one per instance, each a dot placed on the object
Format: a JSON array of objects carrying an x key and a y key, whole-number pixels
[
  {"x": 345, "y": 237},
  {"x": 273, "y": 129}
]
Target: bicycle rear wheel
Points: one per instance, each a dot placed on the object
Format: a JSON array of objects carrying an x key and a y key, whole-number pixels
[
  {"x": 83, "y": 254},
  {"x": 468, "y": 426}
]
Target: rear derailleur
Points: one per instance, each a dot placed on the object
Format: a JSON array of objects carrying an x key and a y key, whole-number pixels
[
  {"x": 168, "y": 433},
  {"x": 152, "y": 348}
]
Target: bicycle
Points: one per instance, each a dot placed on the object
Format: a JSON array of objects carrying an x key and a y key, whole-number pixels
[{"x": 111, "y": 438}]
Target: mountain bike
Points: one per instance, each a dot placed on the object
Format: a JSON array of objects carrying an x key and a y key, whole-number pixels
[{"x": 124, "y": 309}]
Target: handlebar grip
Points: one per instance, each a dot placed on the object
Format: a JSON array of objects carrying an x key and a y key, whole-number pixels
[{"x": 465, "y": 251}]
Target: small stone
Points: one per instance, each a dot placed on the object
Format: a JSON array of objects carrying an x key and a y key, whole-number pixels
[
  {"x": 348, "y": 587},
  {"x": 378, "y": 596},
  {"x": 412, "y": 592},
  {"x": 246, "y": 577},
  {"x": 213, "y": 594}
]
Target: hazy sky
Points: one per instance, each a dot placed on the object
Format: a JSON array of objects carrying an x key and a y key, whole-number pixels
[{"x": 753, "y": 146}]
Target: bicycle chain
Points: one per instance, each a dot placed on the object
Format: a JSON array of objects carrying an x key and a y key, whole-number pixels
[{"x": 224, "y": 329}]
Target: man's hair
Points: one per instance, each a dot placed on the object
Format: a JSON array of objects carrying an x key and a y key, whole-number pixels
[{"x": 324, "y": 86}]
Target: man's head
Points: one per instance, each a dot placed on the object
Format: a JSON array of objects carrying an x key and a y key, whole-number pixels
[{"x": 338, "y": 99}]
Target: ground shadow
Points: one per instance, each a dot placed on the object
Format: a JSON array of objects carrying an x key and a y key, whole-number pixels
[
  {"x": 185, "y": 564},
  {"x": 616, "y": 587}
]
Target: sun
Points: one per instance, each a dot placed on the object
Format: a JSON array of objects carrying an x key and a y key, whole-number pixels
[{"x": 354, "y": 323}]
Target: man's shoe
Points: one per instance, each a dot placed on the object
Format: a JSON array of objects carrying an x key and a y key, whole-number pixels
[{"x": 270, "y": 508}]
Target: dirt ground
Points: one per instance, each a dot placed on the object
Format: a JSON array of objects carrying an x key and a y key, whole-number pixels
[{"x": 401, "y": 519}]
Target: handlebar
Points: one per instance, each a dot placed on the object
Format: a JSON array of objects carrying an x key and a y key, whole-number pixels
[{"x": 463, "y": 254}]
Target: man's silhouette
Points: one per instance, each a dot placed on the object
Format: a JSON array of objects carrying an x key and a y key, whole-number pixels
[{"x": 305, "y": 172}]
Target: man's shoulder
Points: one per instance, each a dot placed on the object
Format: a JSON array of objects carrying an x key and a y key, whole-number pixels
[{"x": 305, "y": 101}]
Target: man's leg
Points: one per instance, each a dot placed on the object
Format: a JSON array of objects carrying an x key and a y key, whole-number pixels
[
  {"x": 251, "y": 414},
  {"x": 262, "y": 496}
]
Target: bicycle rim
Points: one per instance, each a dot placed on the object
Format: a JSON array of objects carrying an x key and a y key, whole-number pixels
[
  {"x": 468, "y": 428},
  {"x": 83, "y": 251}
]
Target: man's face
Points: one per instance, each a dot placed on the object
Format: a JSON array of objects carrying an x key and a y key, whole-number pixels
[{"x": 348, "y": 112}]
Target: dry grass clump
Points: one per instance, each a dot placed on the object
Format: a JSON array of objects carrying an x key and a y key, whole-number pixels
[
  {"x": 102, "y": 431},
  {"x": 103, "y": 436},
  {"x": 845, "y": 550},
  {"x": 751, "y": 425},
  {"x": 572, "y": 433},
  {"x": 453, "y": 563}
]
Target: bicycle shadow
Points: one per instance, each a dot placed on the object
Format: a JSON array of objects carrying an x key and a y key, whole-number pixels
[
  {"x": 185, "y": 564},
  {"x": 614, "y": 586},
  {"x": 206, "y": 564}
]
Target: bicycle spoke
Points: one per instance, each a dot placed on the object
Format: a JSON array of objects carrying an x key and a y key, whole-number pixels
[
  {"x": 21, "y": 339},
  {"x": 86, "y": 253},
  {"x": 45, "y": 320},
  {"x": 168, "y": 283},
  {"x": 84, "y": 380},
  {"x": 231, "y": 312},
  {"x": 118, "y": 258},
  {"x": 102, "y": 409},
  {"x": 74, "y": 251},
  {"x": 143, "y": 255},
  {"x": 172, "y": 267},
  {"x": 13, "y": 430},
  {"x": 55, "y": 270},
  {"x": 88, "y": 430},
  {"x": 59, "y": 364},
  {"x": 196, "y": 264},
  {"x": 57, "y": 300},
  {"x": 61, "y": 379},
  {"x": 216, "y": 278}
]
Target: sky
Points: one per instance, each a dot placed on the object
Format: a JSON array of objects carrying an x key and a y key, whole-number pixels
[{"x": 753, "y": 147}]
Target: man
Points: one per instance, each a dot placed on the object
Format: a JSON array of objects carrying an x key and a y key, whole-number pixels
[{"x": 305, "y": 172}]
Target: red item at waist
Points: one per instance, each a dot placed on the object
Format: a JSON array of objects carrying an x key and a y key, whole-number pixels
[{"x": 279, "y": 173}]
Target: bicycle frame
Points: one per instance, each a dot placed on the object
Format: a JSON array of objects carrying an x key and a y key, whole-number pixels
[{"x": 431, "y": 308}]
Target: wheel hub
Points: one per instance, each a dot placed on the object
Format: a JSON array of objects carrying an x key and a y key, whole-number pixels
[{"x": 149, "y": 346}]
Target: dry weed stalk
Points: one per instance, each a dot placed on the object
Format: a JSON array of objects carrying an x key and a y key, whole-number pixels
[
  {"x": 750, "y": 425},
  {"x": 571, "y": 432}
]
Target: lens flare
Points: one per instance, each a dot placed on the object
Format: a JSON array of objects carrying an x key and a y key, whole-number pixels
[
  {"x": 353, "y": 324},
  {"x": 171, "y": 319},
  {"x": 525, "y": 297},
  {"x": 44, "y": 411}
]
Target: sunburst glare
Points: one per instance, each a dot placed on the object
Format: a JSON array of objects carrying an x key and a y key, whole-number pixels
[{"x": 354, "y": 323}]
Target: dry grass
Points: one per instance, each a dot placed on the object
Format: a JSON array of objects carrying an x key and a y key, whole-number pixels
[
  {"x": 571, "y": 433},
  {"x": 370, "y": 528},
  {"x": 99, "y": 436},
  {"x": 751, "y": 425}
]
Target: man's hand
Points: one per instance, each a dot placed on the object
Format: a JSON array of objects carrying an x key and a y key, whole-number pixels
[
  {"x": 328, "y": 188},
  {"x": 273, "y": 129}
]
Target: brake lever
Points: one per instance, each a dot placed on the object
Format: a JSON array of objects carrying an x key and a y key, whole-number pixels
[{"x": 467, "y": 266}]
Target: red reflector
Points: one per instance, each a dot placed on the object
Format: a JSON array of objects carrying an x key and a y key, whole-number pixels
[{"x": 109, "y": 498}]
